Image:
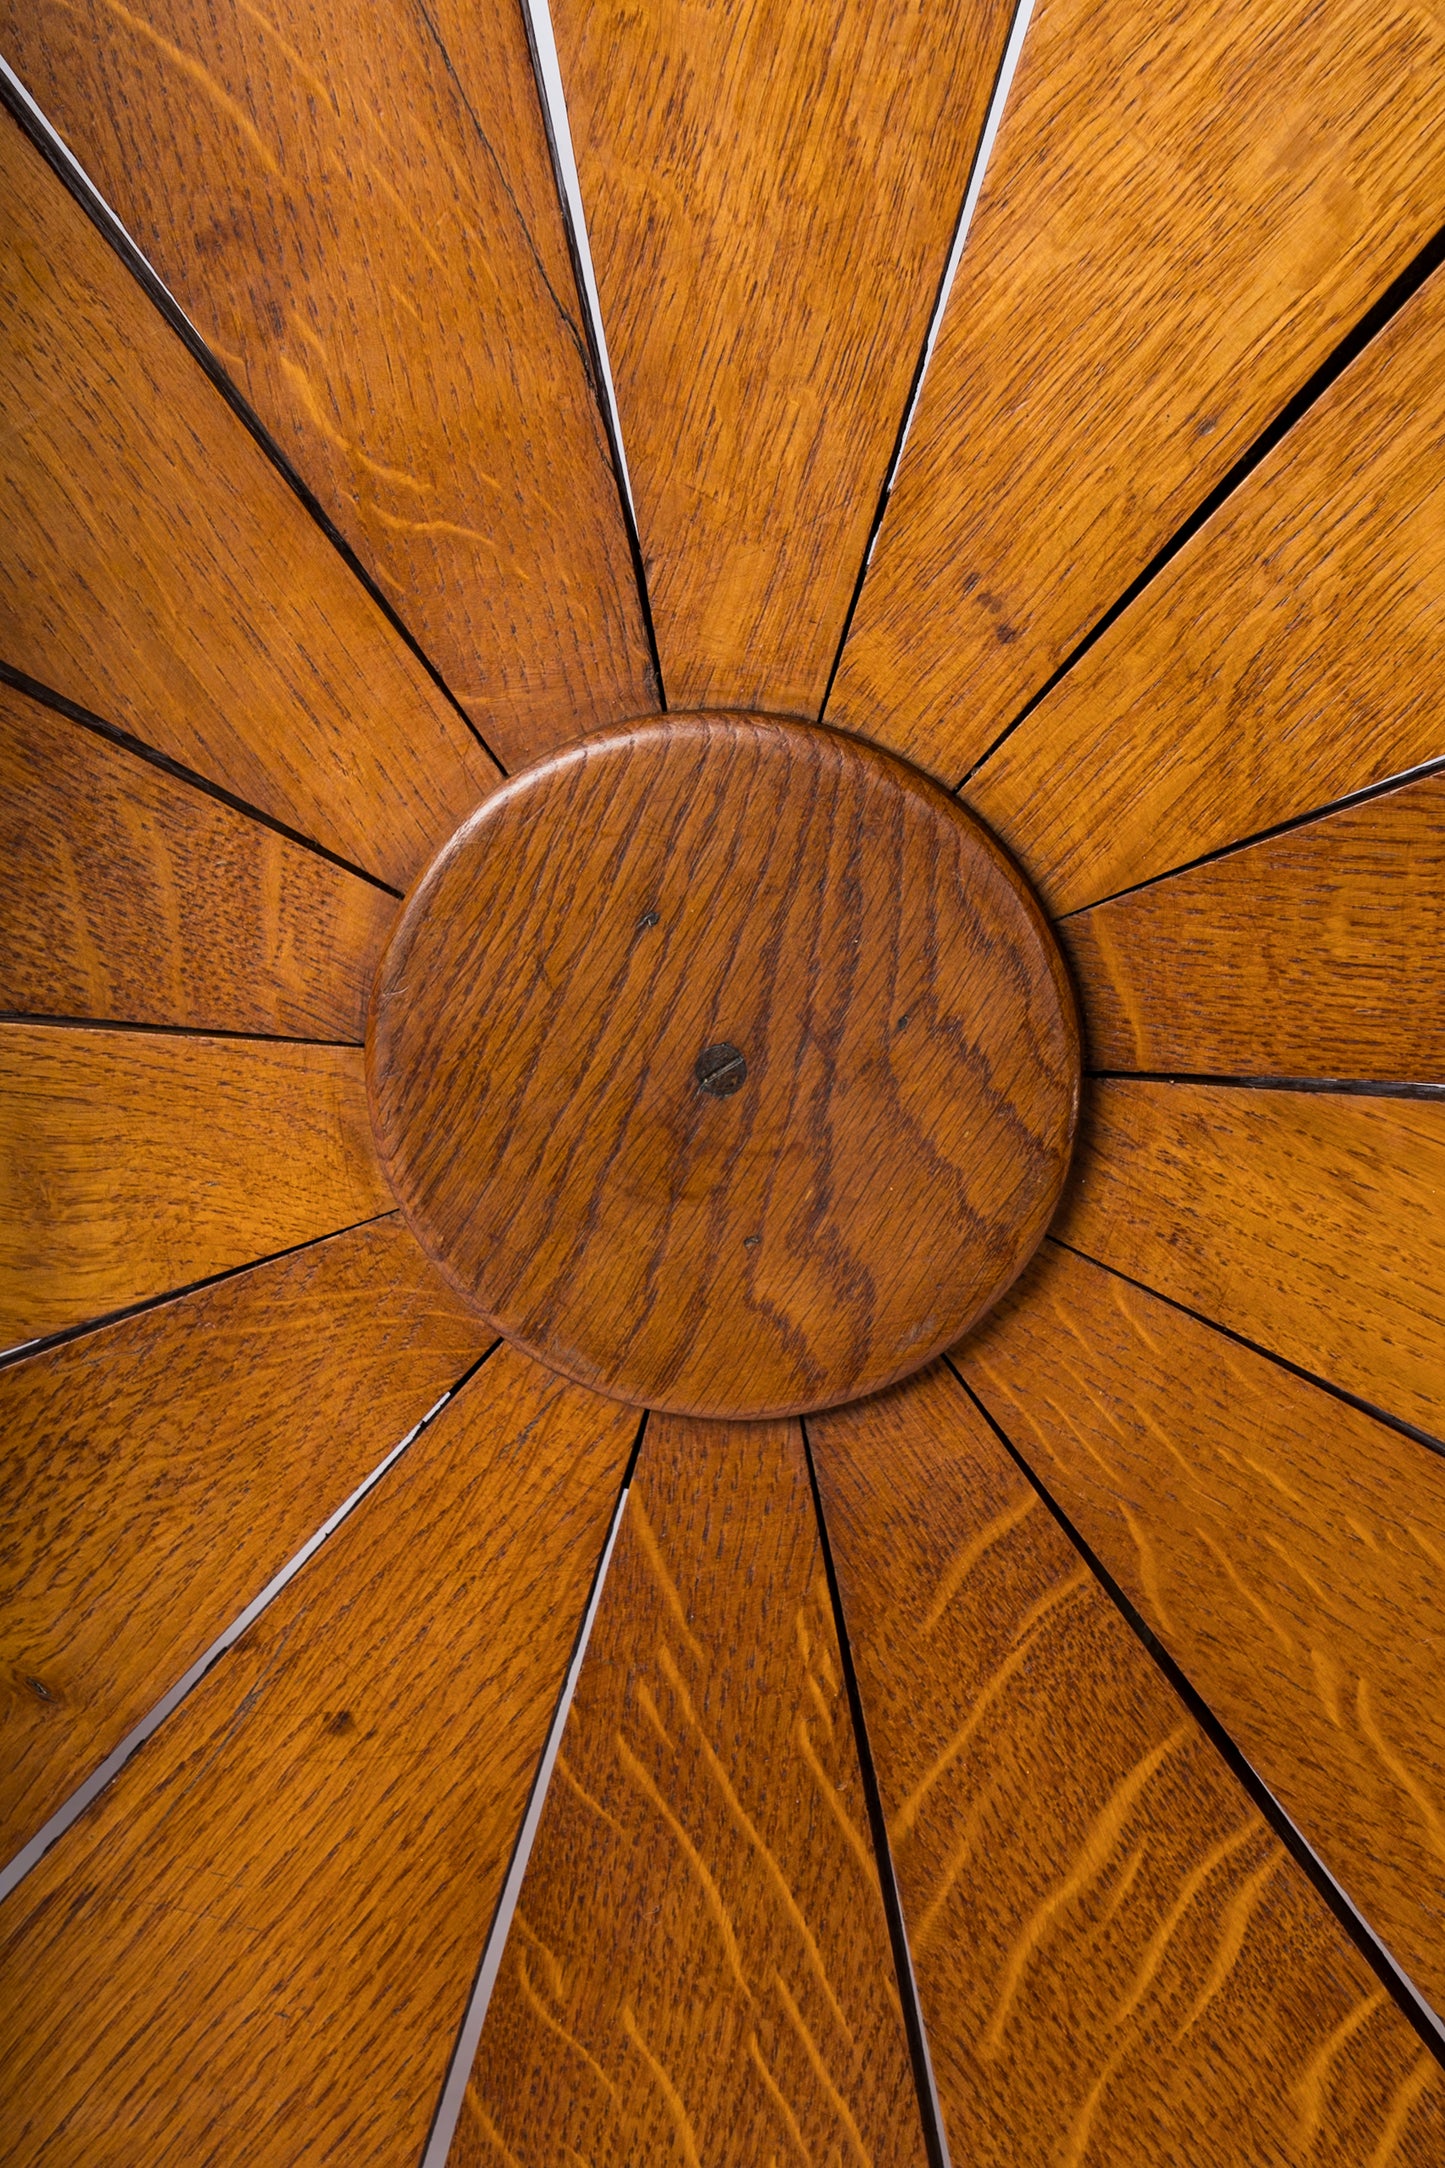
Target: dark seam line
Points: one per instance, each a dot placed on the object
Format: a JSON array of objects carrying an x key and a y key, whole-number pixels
[
  {"x": 1374, "y": 320},
  {"x": 166, "y": 1031},
  {"x": 1348, "y": 1088},
  {"x": 44, "y": 696},
  {"x": 68, "y": 169},
  {"x": 930, "y": 2115},
  {"x": 1411, "y": 2004}
]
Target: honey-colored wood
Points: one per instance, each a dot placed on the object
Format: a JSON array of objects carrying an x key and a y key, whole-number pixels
[
  {"x": 132, "y": 896},
  {"x": 259, "y": 1942},
  {"x": 698, "y": 1969},
  {"x": 1290, "y": 653},
  {"x": 896, "y": 1146},
  {"x": 159, "y": 572},
  {"x": 158, "y": 1472},
  {"x": 1185, "y": 211},
  {"x": 1287, "y": 1550},
  {"x": 1117, "y": 1960},
  {"x": 135, "y": 1162},
  {"x": 771, "y": 193},
  {"x": 1309, "y": 1222}
]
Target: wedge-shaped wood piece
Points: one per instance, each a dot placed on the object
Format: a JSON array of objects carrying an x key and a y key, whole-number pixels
[
  {"x": 698, "y": 1969},
  {"x": 159, "y": 572},
  {"x": 1118, "y": 1961},
  {"x": 771, "y": 192},
  {"x": 1184, "y": 213},
  {"x": 158, "y": 1472},
  {"x": 1318, "y": 954},
  {"x": 259, "y": 1942},
  {"x": 133, "y": 896},
  {"x": 1288, "y": 1551},
  {"x": 136, "y": 1162},
  {"x": 1309, "y": 1222}
]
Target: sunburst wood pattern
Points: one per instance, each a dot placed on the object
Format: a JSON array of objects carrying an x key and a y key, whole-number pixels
[{"x": 1117, "y": 1960}]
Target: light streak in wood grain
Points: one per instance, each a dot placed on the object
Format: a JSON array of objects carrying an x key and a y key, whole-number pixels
[
  {"x": 1163, "y": 1934},
  {"x": 1309, "y": 2087},
  {"x": 642, "y": 1528},
  {"x": 665, "y": 2086},
  {"x": 1002, "y": 1525},
  {"x": 1427, "y": 1547},
  {"x": 957, "y": 1860},
  {"x": 1404, "y": 1776},
  {"x": 906, "y": 1814},
  {"x": 712, "y": 1895},
  {"x": 1292, "y": 1563},
  {"x": 570, "y": 1777},
  {"x": 1123, "y": 1882},
  {"x": 555, "y": 1974},
  {"x": 1256, "y": 1604},
  {"x": 195, "y": 73},
  {"x": 1028, "y": 1626},
  {"x": 1238, "y": 1914},
  {"x": 493, "y": 2136},
  {"x": 1148, "y": 1569},
  {"x": 567, "y": 2038},
  {"x": 833, "y": 1798},
  {"x": 778, "y": 2097},
  {"x": 820, "y": 2068},
  {"x": 645, "y": 1702},
  {"x": 1327, "y": 1680},
  {"x": 1401, "y": 2109},
  {"x": 820, "y": 1700},
  {"x": 1077, "y": 2142}
]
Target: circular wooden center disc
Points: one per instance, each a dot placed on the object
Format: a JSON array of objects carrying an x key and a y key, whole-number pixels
[{"x": 726, "y": 1064}]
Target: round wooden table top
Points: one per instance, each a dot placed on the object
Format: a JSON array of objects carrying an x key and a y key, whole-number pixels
[{"x": 726, "y": 1064}]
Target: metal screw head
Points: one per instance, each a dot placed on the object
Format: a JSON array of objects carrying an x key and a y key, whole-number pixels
[{"x": 721, "y": 1069}]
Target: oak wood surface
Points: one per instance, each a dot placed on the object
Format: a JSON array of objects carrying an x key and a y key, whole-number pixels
[
  {"x": 698, "y": 1969},
  {"x": 1307, "y": 1221},
  {"x": 259, "y": 1942},
  {"x": 894, "y": 1150},
  {"x": 132, "y": 896},
  {"x": 1185, "y": 211},
  {"x": 1288, "y": 1551},
  {"x": 159, "y": 572},
  {"x": 1289, "y": 654},
  {"x": 159, "y": 1471},
  {"x": 771, "y": 193},
  {"x": 1117, "y": 1960},
  {"x": 137, "y": 1162}
]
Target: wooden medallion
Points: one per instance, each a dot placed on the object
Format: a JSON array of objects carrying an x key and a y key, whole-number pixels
[{"x": 726, "y": 1064}]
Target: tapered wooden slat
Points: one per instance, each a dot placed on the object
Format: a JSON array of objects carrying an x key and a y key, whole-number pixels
[
  {"x": 1319, "y": 954},
  {"x": 355, "y": 206},
  {"x": 133, "y": 896},
  {"x": 158, "y": 1472},
  {"x": 1288, "y": 1551},
  {"x": 1117, "y": 1960},
  {"x": 259, "y": 1942},
  {"x": 1309, "y": 1222},
  {"x": 698, "y": 1969},
  {"x": 771, "y": 192},
  {"x": 1185, "y": 211},
  {"x": 159, "y": 572},
  {"x": 136, "y": 1162}
]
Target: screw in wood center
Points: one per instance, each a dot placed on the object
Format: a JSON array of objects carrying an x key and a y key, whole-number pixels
[{"x": 721, "y": 1069}]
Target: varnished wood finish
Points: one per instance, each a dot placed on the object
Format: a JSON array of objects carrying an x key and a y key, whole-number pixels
[
  {"x": 771, "y": 191},
  {"x": 1117, "y": 1960},
  {"x": 133, "y": 896},
  {"x": 1287, "y": 1550},
  {"x": 698, "y": 1969},
  {"x": 259, "y": 1942},
  {"x": 897, "y": 1145},
  {"x": 1185, "y": 211},
  {"x": 159, "y": 572},
  {"x": 1307, "y": 1221},
  {"x": 136, "y": 1162},
  {"x": 158, "y": 1472}
]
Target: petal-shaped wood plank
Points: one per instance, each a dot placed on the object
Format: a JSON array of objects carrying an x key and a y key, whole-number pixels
[
  {"x": 135, "y": 1162},
  {"x": 698, "y": 1969},
  {"x": 158, "y": 1473},
  {"x": 259, "y": 1942},
  {"x": 1185, "y": 211},
  {"x": 1288, "y": 1551},
  {"x": 1117, "y": 1959},
  {"x": 1320, "y": 953},
  {"x": 771, "y": 191},
  {"x": 1309, "y": 1222},
  {"x": 1290, "y": 653},
  {"x": 133, "y": 896},
  {"x": 159, "y": 572},
  {"x": 355, "y": 206}
]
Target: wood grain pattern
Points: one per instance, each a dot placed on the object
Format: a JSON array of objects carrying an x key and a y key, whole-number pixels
[
  {"x": 771, "y": 194},
  {"x": 160, "y": 573},
  {"x": 1307, "y": 1221},
  {"x": 158, "y": 1472},
  {"x": 132, "y": 896},
  {"x": 1118, "y": 1962},
  {"x": 1288, "y": 1551},
  {"x": 894, "y": 1150},
  {"x": 1185, "y": 211},
  {"x": 259, "y": 1942},
  {"x": 698, "y": 1969},
  {"x": 355, "y": 206},
  {"x": 134, "y": 1163},
  {"x": 1289, "y": 654}
]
